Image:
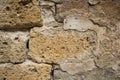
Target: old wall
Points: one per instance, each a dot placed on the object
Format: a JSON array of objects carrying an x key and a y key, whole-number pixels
[{"x": 60, "y": 40}]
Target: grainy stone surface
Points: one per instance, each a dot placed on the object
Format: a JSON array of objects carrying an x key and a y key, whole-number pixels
[
  {"x": 13, "y": 46},
  {"x": 55, "y": 45},
  {"x": 20, "y": 14},
  {"x": 25, "y": 71},
  {"x": 79, "y": 40}
]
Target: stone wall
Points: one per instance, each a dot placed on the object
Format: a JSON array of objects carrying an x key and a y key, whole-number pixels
[{"x": 60, "y": 40}]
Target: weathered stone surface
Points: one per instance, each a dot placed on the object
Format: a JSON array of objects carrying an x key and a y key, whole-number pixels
[
  {"x": 105, "y": 14},
  {"x": 100, "y": 74},
  {"x": 80, "y": 39},
  {"x": 56, "y": 45},
  {"x": 47, "y": 11},
  {"x": 77, "y": 22},
  {"x": 20, "y": 14},
  {"x": 59, "y": 75},
  {"x": 93, "y": 2},
  {"x": 62, "y": 1},
  {"x": 109, "y": 49},
  {"x": 74, "y": 66},
  {"x": 25, "y": 71},
  {"x": 13, "y": 46},
  {"x": 67, "y": 8},
  {"x": 96, "y": 74}
]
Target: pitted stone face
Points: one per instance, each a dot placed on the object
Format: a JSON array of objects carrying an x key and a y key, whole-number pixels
[
  {"x": 20, "y": 14},
  {"x": 57, "y": 45},
  {"x": 13, "y": 46},
  {"x": 25, "y": 71}
]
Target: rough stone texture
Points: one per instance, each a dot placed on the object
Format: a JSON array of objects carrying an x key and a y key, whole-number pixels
[
  {"x": 71, "y": 7},
  {"x": 25, "y": 71},
  {"x": 20, "y": 14},
  {"x": 79, "y": 39},
  {"x": 13, "y": 46},
  {"x": 47, "y": 10},
  {"x": 109, "y": 54},
  {"x": 74, "y": 66},
  {"x": 105, "y": 15},
  {"x": 59, "y": 75},
  {"x": 55, "y": 45},
  {"x": 77, "y": 22},
  {"x": 96, "y": 74},
  {"x": 99, "y": 74}
]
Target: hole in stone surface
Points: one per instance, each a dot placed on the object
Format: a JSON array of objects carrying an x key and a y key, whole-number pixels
[
  {"x": 16, "y": 38},
  {"x": 8, "y": 8},
  {"x": 63, "y": 47},
  {"x": 25, "y": 2},
  {"x": 27, "y": 44},
  {"x": 4, "y": 79},
  {"x": 52, "y": 74},
  {"x": 43, "y": 56},
  {"x": 5, "y": 43}
]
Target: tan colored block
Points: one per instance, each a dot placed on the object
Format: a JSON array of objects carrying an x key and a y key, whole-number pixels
[
  {"x": 13, "y": 46},
  {"x": 25, "y": 71},
  {"x": 54, "y": 46},
  {"x": 20, "y": 14}
]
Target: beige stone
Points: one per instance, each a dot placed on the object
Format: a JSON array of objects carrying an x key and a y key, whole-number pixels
[
  {"x": 20, "y": 14},
  {"x": 56, "y": 45},
  {"x": 13, "y": 46},
  {"x": 25, "y": 71}
]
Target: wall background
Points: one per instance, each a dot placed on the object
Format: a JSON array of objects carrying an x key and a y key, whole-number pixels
[{"x": 60, "y": 40}]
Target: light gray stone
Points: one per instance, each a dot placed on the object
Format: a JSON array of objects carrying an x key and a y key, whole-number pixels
[
  {"x": 13, "y": 46},
  {"x": 77, "y": 22}
]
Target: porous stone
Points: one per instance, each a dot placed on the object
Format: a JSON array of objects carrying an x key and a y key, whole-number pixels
[
  {"x": 25, "y": 71},
  {"x": 80, "y": 63},
  {"x": 13, "y": 46},
  {"x": 56, "y": 45},
  {"x": 20, "y": 14}
]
